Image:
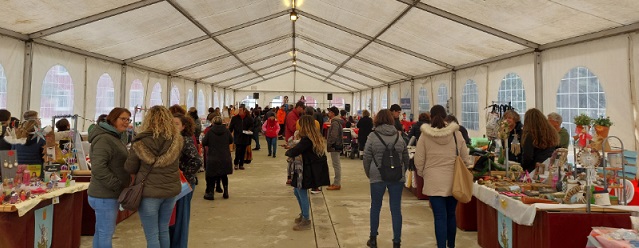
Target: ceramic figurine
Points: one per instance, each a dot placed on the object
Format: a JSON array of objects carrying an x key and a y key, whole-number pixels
[
  {"x": 14, "y": 198},
  {"x": 23, "y": 196}
]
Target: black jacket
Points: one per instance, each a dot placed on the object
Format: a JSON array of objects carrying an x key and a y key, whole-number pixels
[
  {"x": 237, "y": 126},
  {"x": 532, "y": 155},
  {"x": 4, "y": 145},
  {"x": 319, "y": 118},
  {"x": 365, "y": 126},
  {"x": 464, "y": 133},
  {"x": 415, "y": 131},
  {"x": 315, "y": 168},
  {"x": 218, "y": 155}
]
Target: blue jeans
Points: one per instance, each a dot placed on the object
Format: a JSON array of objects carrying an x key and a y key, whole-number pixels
[
  {"x": 179, "y": 232},
  {"x": 445, "y": 221},
  {"x": 256, "y": 137},
  {"x": 395, "y": 202},
  {"x": 302, "y": 199},
  {"x": 155, "y": 214},
  {"x": 272, "y": 145},
  {"x": 106, "y": 213}
]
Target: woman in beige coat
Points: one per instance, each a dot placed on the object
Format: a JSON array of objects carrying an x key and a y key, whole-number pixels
[{"x": 435, "y": 162}]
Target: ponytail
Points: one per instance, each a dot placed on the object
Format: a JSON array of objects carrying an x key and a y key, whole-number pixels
[
  {"x": 437, "y": 116},
  {"x": 437, "y": 122}
]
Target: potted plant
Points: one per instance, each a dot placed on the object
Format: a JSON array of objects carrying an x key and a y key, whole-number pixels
[
  {"x": 602, "y": 126},
  {"x": 580, "y": 121}
]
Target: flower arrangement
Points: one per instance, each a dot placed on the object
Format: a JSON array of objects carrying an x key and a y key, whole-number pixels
[
  {"x": 601, "y": 121},
  {"x": 582, "y": 120}
]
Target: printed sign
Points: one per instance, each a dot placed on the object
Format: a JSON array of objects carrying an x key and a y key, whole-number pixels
[
  {"x": 404, "y": 103},
  {"x": 43, "y": 227},
  {"x": 504, "y": 230}
]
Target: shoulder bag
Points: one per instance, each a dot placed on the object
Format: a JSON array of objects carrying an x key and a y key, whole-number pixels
[
  {"x": 131, "y": 196},
  {"x": 462, "y": 179}
]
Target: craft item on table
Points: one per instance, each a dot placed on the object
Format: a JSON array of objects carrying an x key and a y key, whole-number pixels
[
  {"x": 40, "y": 133},
  {"x": 9, "y": 166},
  {"x": 23, "y": 195},
  {"x": 14, "y": 198},
  {"x": 532, "y": 200},
  {"x": 578, "y": 196},
  {"x": 547, "y": 190},
  {"x": 511, "y": 194},
  {"x": 531, "y": 193},
  {"x": 584, "y": 137},
  {"x": 516, "y": 171},
  {"x": 602, "y": 198},
  {"x": 515, "y": 146}
]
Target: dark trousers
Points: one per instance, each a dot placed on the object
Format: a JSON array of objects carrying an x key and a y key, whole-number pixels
[
  {"x": 445, "y": 220},
  {"x": 281, "y": 129},
  {"x": 271, "y": 143},
  {"x": 256, "y": 137},
  {"x": 395, "y": 201},
  {"x": 240, "y": 152},
  {"x": 212, "y": 181}
]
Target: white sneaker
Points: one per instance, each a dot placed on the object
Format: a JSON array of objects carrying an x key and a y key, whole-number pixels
[{"x": 316, "y": 191}]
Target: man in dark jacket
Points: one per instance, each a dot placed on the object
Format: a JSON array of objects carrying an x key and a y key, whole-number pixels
[
  {"x": 319, "y": 118},
  {"x": 365, "y": 125},
  {"x": 397, "y": 111},
  {"x": 335, "y": 146},
  {"x": 241, "y": 126},
  {"x": 415, "y": 131}
]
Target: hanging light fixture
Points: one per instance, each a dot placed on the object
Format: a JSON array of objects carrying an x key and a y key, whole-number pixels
[{"x": 294, "y": 15}]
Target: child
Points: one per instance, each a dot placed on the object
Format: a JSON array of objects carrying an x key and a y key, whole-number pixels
[
  {"x": 295, "y": 164},
  {"x": 271, "y": 128}
]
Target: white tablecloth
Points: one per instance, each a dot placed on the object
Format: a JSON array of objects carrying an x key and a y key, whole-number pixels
[
  {"x": 524, "y": 214},
  {"x": 25, "y": 206}
]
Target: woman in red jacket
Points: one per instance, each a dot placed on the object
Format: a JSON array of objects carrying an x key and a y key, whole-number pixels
[{"x": 271, "y": 128}]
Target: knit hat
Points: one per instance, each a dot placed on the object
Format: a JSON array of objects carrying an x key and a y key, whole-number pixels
[
  {"x": 30, "y": 115},
  {"x": 269, "y": 114}
]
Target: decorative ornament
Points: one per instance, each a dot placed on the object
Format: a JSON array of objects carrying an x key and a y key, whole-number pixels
[
  {"x": 40, "y": 133},
  {"x": 588, "y": 158}
]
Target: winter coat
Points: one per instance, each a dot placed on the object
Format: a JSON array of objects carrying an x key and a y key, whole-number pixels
[
  {"x": 164, "y": 155},
  {"x": 30, "y": 152},
  {"x": 108, "y": 155},
  {"x": 281, "y": 116},
  {"x": 398, "y": 125},
  {"x": 334, "y": 134},
  {"x": 315, "y": 168},
  {"x": 238, "y": 125},
  {"x": 271, "y": 129},
  {"x": 531, "y": 155},
  {"x": 320, "y": 119},
  {"x": 464, "y": 133},
  {"x": 257, "y": 124},
  {"x": 416, "y": 131},
  {"x": 435, "y": 158},
  {"x": 291, "y": 121},
  {"x": 4, "y": 145},
  {"x": 190, "y": 160},
  {"x": 375, "y": 149},
  {"x": 218, "y": 155},
  {"x": 365, "y": 126}
]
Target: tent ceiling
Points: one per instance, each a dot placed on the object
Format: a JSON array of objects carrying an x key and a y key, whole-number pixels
[{"x": 351, "y": 43}]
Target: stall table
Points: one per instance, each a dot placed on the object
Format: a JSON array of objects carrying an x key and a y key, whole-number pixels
[
  {"x": 17, "y": 222},
  {"x": 542, "y": 225}
]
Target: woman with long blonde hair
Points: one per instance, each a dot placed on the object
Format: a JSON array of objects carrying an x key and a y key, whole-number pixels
[
  {"x": 313, "y": 172},
  {"x": 154, "y": 158},
  {"x": 539, "y": 141}
]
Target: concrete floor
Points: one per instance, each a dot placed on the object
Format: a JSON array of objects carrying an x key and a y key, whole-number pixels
[{"x": 261, "y": 209}]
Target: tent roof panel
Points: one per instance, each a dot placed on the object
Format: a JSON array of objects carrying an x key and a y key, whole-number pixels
[
  {"x": 318, "y": 50},
  {"x": 211, "y": 68},
  {"x": 184, "y": 56},
  {"x": 317, "y": 72},
  {"x": 230, "y": 74},
  {"x": 316, "y": 62},
  {"x": 132, "y": 33},
  {"x": 219, "y": 15},
  {"x": 257, "y": 33},
  {"x": 446, "y": 41},
  {"x": 237, "y": 80},
  {"x": 397, "y": 60},
  {"x": 270, "y": 61},
  {"x": 545, "y": 21},
  {"x": 358, "y": 15},
  {"x": 266, "y": 50},
  {"x": 352, "y": 76},
  {"x": 347, "y": 83},
  {"x": 268, "y": 71},
  {"x": 29, "y": 16},
  {"x": 372, "y": 70},
  {"x": 328, "y": 35}
]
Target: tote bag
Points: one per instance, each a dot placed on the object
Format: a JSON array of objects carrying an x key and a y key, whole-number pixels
[{"x": 462, "y": 179}]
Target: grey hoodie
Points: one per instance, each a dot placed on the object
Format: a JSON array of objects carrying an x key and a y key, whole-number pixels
[{"x": 374, "y": 147}]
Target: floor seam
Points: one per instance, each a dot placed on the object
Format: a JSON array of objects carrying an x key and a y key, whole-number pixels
[{"x": 331, "y": 219}]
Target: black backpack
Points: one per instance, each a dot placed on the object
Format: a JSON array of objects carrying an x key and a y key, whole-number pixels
[{"x": 391, "y": 167}]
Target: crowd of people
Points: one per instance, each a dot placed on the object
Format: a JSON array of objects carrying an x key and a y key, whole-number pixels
[{"x": 166, "y": 149}]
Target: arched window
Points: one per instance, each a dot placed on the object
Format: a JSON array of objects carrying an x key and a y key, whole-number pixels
[
  {"x": 156, "y": 95},
  {"x": 424, "y": 103},
  {"x": 384, "y": 100},
  {"x": 374, "y": 107},
  {"x": 3, "y": 88},
  {"x": 580, "y": 92},
  {"x": 311, "y": 102},
  {"x": 277, "y": 101},
  {"x": 175, "y": 96},
  {"x": 190, "y": 99},
  {"x": 136, "y": 98},
  {"x": 512, "y": 90},
  {"x": 470, "y": 100},
  {"x": 442, "y": 95},
  {"x": 248, "y": 102},
  {"x": 394, "y": 99},
  {"x": 57, "y": 93},
  {"x": 337, "y": 102},
  {"x": 201, "y": 102},
  {"x": 105, "y": 98}
]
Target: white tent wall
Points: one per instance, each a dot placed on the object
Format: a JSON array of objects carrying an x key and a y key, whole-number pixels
[
  {"x": 634, "y": 76},
  {"x": 523, "y": 67},
  {"x": 281, "y": 83},
  {"x": 229, "y": 97},
  {"x": 132, "y": 74},
  {"x": 95, "y": 69},
  {"x": 406, "y": 91},
  {"x": 189, "y": 85},
  {"x": 162, "y": 80},
  {"x": 12, "y": 61},
  {"x": 306, "y": 83},
  {"x": 479, "y": 76},
  {"x": 181, "y": 86},
  {"x": 393, "y": 97},
  {"x": 418, "y": 85},
  {"x": 44, "y": 58},
  {"x": 608, "y": 60},
  {"x": 356, "y": 104}
]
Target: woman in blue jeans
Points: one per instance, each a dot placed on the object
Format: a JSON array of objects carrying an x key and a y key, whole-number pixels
[
  {"x": 108, "y": 177},
  {"x": 311, "y": 171},
  {"x": 435, "y": 161},
  {"x": 156, "y": 151},
  {"x": 385, "y": 136}
]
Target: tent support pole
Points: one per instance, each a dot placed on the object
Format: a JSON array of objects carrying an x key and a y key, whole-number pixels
[
  {"x": 539, "y": 87},
  {"x": 27, "y": 76}
]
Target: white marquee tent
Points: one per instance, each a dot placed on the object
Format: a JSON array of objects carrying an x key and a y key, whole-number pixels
[{"x": 568, "y": 56}]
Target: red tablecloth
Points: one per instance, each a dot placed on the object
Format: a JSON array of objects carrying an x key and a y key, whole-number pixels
[
  {"x": 466, "y": 215},
  {"x": 67, "y": 223},
  {"x": 550, "y": 229},
  {"x": 88, "y": 215}
]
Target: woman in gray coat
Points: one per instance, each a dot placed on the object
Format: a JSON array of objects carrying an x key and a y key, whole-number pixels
[
  {"x": 385, "y": 133},
  {"x": 108, "y": 177}
]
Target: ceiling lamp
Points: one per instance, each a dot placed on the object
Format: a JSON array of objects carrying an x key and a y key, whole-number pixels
[
  {"x": 294, "y": 62},
  {"x": 294, "y": 15}
]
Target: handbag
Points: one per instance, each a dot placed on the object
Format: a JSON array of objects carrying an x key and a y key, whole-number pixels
[
  {"x": 186, "y": 187},
  {"x": 131, "y": 196},
  {"x": 462, "y": 179}
]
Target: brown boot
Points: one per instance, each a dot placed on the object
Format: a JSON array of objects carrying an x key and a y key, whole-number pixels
[
  {"x": 334, "y": 187},
  {"x": 299, "y": 219},
  {"x": 305, "y": 224}
]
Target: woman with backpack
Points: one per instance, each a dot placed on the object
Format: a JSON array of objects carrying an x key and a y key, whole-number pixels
[
  {"x": 437, "y": 150},
  {"x": 313, "y": 171},
  {"x": 271, "y": 128},
  {"x": 385, "y": 162}
]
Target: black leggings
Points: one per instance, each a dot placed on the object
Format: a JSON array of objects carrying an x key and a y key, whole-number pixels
[
  {"x": 240, "y": 152},
  {"x": 211, "y": 181}
]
